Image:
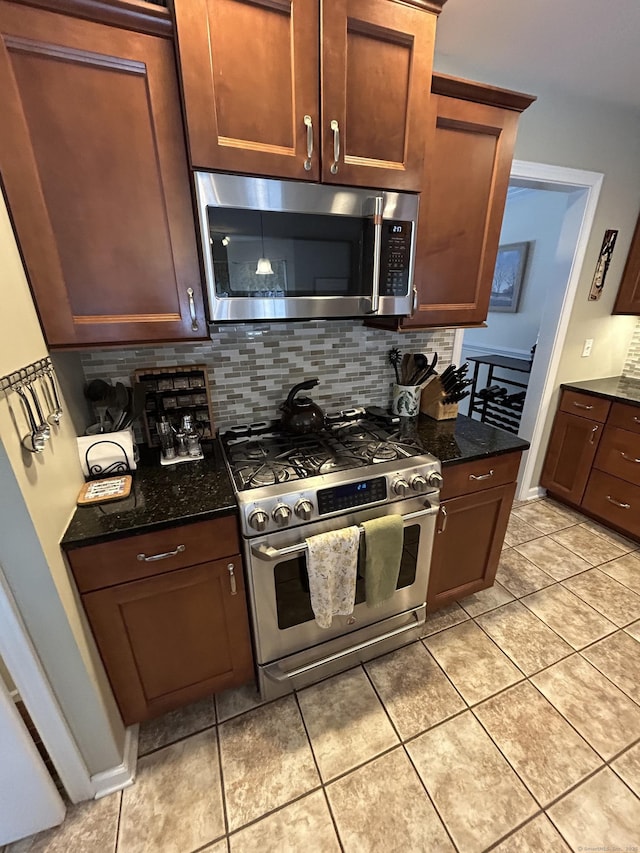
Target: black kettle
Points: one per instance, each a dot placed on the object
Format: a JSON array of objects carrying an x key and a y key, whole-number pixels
[{"x": 302, "y": 415}]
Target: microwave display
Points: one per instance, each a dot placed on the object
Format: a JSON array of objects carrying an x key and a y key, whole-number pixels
[{"x": 280, "y": 254}]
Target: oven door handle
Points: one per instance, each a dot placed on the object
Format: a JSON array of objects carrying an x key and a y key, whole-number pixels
[
  {"x": 275, "y": 672},
  {"x": 267, "y": 552}
]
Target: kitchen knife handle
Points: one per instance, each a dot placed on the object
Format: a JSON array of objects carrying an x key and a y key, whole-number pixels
[
  {"x": 582, "y": 406},
  {"x": 481, "y": 476},
  {"x": 232, "y": 578},
  {"x": 443, "y": 526},
  {"x": 309, "y": 126},
  {"x": 336, "y": 146},
  {"x": 593, "y": 434},
  {"x": 618, "y": 503},
  {"x": 192, "y": 310},
  {"x": 144, "y": 559},
  {"x": 628, "y": 458}
]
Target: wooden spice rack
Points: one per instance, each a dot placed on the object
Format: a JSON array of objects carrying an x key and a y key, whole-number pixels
[{"x": 173, "y": 392}]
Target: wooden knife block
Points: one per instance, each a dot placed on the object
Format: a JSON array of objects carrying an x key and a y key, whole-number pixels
[{"x": 440, "y": 411}]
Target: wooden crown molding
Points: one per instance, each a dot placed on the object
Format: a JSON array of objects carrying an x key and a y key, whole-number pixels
[
  {"x": 434, "y": 6},
  {"x": 483, "y": 93},
  {"x": 136, "y": 15}
]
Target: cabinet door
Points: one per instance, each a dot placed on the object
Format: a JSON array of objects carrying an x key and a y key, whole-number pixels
[
  {"x": 468, "y": 541},
  {"x": 467, "y": 176},
  {"x": 249, "y": 77},
  {"x": 94, "y": 167},
  {"x": 628, "y": 298},
  {"x": 171, "y": 639},
  {"x": 376, "y": 73},
  {"x": 572, "y": 448}
]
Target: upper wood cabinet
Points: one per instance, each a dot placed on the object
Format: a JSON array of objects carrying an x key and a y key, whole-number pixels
[
  {"x": 466, "y": 175},
  {"x": 94, "y": 167},
  {"x": 334, "y": 91},
  {"x": 628, "y": 298}
]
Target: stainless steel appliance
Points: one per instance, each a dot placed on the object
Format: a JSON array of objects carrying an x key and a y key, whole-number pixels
[
  {"x": 292, "y": 487},
  {"x": 283, "y": 249}
]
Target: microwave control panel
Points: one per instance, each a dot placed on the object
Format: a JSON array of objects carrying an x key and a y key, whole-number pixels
[{"x": 395, "y": 257}]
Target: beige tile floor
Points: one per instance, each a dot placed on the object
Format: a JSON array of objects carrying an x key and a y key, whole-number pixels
[{"x": 513, "y": 725}]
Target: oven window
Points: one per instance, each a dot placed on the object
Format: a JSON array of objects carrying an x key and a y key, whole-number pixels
[
  {"x": 293, "y": 602},
  {"x": 308, "y": 254}
]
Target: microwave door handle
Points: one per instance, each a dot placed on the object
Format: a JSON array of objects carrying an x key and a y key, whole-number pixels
[{"x": 377, "y": 252}]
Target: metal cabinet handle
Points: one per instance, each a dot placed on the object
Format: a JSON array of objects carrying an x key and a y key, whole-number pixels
[
  {"x": 629, "y": 458},
  {"x": 594, "y": 430},
  {"x": 336, "y": 146},
  {"x": 482, "y": 476},
  {"x": 232, "y": 578},
  {"x": 582, "y": 406},
  {"x": 617, "y": 503},
  {"x": 309, "y": 126},
  {"x": 145, "y": 559},
  {"x": 192, "y": 310},
  {"x": 637, "y": 420},
  {"x": 443, "y": 510}
]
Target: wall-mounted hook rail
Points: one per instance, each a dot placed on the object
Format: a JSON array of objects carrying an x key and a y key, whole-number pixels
[{"x": 22, "y": 379}]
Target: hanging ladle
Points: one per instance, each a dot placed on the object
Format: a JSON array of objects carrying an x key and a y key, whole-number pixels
[
  {"x": 35, "y": 441},
  {"x": 43, "y": 427},
  {"x": 56, "y": 414}
]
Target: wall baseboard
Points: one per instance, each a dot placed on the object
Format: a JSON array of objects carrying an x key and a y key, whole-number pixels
[
  {"x": 117, "y": 778},
  {"x": 534, "y": 493}
]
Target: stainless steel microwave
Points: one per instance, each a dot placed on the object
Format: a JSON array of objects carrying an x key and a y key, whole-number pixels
[{"x": 286, "y": 250}]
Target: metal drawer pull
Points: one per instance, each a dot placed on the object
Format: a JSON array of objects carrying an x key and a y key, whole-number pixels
[
  {"x": 582, "y": 406},
  {"x": 336, "y": 146},
  {"x": 192, "y": 310},
  {"x": 637, "y": 420},
  {"x": 443, "y": 510},
  {"x": 232, "y": 579},
  {"x": 481, "y": 476},
  {"x": 617, "y": 503},
  {"x": 629, "y": 458},
  {"x": 309, "y": 126},
  {"x": 594, "y": 430},
  {"x": 144, "y": 559}
]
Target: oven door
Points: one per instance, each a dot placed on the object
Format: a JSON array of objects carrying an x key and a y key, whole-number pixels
[{"x": 283, "y": 619}]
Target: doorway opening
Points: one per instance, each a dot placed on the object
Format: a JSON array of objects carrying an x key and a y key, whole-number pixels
[{"x": 547, "y": 223}]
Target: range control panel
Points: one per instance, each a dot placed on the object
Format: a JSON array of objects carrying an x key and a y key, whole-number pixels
[{"x": 395, "y": 257}]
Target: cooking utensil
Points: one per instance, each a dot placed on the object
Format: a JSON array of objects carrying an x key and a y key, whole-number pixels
[
  {"x": 394, "y": 360},
  {"x": 56, "y": 414},
  {"x": 35, "y": 441},
  {"x": 407, "y": 358},
  {"x": 302, "y": 415},
  {"x": 43, "y": 427}
]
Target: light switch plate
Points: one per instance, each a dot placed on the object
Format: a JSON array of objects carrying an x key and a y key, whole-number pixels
[{"x": 586, "y": 349}]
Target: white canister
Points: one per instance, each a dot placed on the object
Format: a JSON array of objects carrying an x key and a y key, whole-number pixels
[{"x": 405, "y": 400}]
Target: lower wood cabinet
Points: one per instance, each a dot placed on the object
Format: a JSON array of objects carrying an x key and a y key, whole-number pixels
[
  {"x": 176, "y": 635},
  {"x": 471, "y": 526},
  {"x": 593, "y": 459}
]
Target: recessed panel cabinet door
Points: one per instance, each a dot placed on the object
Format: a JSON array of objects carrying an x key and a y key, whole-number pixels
[
  {"x": 249, "y": 77},
  {"x": 572, "y": 449},
  {"x": 376, "y": 74},
  {"x": 169, "y": 640},
  {"x": 94, "y": 168}
]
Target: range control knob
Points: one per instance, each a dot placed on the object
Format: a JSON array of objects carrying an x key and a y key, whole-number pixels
[
  {"x": 400, "y": 486},
  {"x": 258, "y": 520},
  {"x": 281, "y": 515},
  {"x": 303, "y": 509},
  {"x": 418, "y": 483},
  {"x": 435, "y": 480}
]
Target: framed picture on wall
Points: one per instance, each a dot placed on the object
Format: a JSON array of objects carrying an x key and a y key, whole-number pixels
[{"x": 508, "y": 276}]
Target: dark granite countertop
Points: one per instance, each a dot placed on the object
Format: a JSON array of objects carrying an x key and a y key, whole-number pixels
[
  {"x": 621, "y": 388},
  {"x": 465, "y": 439},
  {"x": 195, "y": 491},
  {"x": 160, "y": 497}
]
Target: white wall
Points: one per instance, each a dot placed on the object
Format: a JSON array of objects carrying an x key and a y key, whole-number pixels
[{"x": 582, "y": 133}]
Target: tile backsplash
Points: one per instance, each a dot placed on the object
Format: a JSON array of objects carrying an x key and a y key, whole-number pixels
[
  {"x": 632, "y": 366},
  {"x": 251, "y": 367}
]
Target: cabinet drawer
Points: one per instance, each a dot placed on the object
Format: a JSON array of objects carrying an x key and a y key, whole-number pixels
[
  {"x": 625, "y": 417},
  {"x": 480, "y": 474},
  {"x": 619, "y": 454},
  {"x": 584, "y": 405},
  {"x": 614, "y": 501},
  {"x": 98, "y": 566}
]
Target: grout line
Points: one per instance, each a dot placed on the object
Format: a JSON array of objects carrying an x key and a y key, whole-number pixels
[
  {"x": 119, "y": 821},
  {"x": 513, "y": 831},
  {"x": 223, "y": 790}
]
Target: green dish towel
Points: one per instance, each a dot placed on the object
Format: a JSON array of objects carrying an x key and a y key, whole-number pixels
[{"x": 383, "y": 540}]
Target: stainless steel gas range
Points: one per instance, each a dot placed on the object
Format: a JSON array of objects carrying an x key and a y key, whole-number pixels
[{"x": 292, "y": 487}]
